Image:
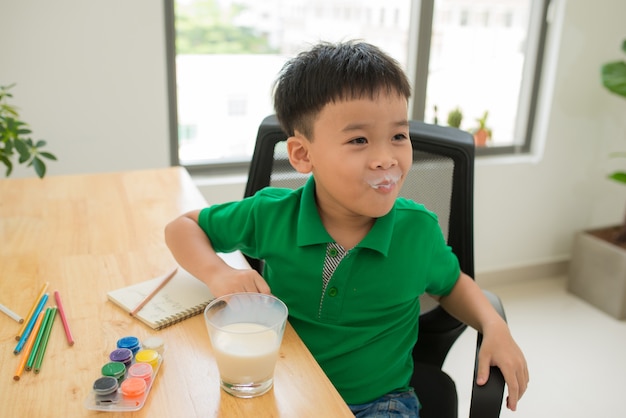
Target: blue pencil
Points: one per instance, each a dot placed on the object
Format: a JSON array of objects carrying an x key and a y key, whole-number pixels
[{"x": 30, "y": 325}]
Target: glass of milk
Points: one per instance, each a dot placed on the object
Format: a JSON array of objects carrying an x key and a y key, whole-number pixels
[{"x": 246, "y": 330}]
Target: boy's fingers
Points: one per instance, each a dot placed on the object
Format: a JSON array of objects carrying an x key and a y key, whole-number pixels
[
  {"x": 513, "y": 385},
  {"x": 483, "y": 370},
  {"x": 262, "y": 286},
  {"x": 511, "y": 404}
]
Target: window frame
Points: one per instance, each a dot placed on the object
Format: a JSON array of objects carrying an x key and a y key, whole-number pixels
[{"x": 420, "y": 30}]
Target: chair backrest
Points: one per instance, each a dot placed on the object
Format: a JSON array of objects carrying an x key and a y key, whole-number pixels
[{"x": 442, "y": 178}]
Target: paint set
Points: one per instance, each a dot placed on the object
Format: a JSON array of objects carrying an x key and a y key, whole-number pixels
[{"x": 127, "y": 375}]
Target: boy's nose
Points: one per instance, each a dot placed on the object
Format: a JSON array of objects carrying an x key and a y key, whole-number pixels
[
  {"x": 385, "y": 159},
  {"x": 387, "y": 164}
]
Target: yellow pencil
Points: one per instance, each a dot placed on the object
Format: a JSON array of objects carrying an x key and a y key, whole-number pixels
[
  {"x": 29, "y": 346},
  {"x": 32, "y": 310}
]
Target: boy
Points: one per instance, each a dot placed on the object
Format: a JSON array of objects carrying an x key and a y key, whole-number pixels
[{"x": 344, "y": 252}]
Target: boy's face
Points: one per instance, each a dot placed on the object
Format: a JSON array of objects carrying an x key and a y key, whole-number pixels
[{"x": 360, "y": 154}]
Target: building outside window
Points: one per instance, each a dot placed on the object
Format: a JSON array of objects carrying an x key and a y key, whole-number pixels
[{"x": 482, "y": 58}]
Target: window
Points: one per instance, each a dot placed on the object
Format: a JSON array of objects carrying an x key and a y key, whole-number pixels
[{"x": 469, "y": 60}]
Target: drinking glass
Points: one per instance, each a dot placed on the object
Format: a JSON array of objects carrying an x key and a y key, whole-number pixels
[{"x": 246, "y": 330}]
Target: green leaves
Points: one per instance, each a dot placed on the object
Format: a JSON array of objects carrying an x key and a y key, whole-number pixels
[
  {"x": 614, "y": 75},
  {"x": 209, "y": 27},
  {"x": 618, "y": 176},
  {"x": 15, "y": 139},
  {"x": 614, "y": 79}
]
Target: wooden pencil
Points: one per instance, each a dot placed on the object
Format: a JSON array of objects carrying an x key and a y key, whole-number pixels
[
  {"x": 33, "y": 351},
  {"x": 29, "y": 346},
  {"x": 44, "y": 340},
  {"x": 31, "y": 324},
  {"x": 11, "y": 314},
  {"x": 32, "y": 310},
  {"x": 154, "y": 292},
  {"x": 66, "y": 326}
]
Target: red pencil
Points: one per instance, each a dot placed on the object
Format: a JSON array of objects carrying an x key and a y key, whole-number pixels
[
  {"x": 154, "y": 292},
  {"x": 66, "y": 326}
]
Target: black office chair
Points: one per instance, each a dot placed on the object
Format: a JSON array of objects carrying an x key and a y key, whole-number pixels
[{"x": 442, "y": 178}]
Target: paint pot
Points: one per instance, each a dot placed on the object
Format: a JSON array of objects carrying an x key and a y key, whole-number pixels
[
  {"x": 130, "y": 342},
  {"x": 114, "y": 369},
  {"x": 142, "y": 371},
  {"x": 105, "y": 390},
  {"x": 154, "y": 343},
  {"x": 123, "y": 355},
  {"x": 148, "y": 356},
  {"x": 133, "y": 387}
]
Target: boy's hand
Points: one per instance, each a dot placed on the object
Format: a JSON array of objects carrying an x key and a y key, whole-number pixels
[
  {"x": 499, "y": 349},
  {"x": 236, "y": 281},
  {"x": 192, "y": 249},
  {"x": 468, "y": 303}
]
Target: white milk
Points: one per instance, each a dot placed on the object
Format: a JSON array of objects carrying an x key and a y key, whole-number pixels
[{"x": 246, "y": 352}]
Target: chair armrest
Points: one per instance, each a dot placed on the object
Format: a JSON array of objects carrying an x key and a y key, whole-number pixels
[{"x": 487, "y": 399}]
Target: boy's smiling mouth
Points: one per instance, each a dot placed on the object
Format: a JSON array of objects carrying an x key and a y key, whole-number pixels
[{"x": 384, "y": 181}]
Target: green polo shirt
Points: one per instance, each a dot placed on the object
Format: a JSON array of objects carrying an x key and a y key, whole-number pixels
[{"x": 362, "y": 328}]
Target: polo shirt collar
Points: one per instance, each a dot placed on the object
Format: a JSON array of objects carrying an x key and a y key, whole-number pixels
[{"x": 311, "y": 231}]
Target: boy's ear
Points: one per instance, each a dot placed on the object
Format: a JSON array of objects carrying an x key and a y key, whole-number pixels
[{"x": 298, "y": 151}]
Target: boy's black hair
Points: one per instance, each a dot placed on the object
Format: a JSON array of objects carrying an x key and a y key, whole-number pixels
[{"x": 333, "y": 72}]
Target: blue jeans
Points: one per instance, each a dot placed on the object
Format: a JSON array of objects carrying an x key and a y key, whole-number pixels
[{"x": 392, "y": 405}]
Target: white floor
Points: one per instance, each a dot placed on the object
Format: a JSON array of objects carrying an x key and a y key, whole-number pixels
[{"x": 575, "y": 352}]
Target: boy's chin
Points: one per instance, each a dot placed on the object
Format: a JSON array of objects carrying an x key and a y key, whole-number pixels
[{"x": 378, "y": 212}]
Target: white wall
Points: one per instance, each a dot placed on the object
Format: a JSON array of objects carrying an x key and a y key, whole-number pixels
[
  {"x": 91, "y": 80},
  {"x": 528, "y": 213}
]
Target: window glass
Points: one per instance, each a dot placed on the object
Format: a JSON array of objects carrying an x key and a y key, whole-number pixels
[
  {"x": 228, "y": 53},
  {"x": 477, "y": 54}
]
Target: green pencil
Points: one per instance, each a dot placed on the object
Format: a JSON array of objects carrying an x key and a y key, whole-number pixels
[
  {"x": 33, "y": 351},
  {"x": 44, "y": 340}
]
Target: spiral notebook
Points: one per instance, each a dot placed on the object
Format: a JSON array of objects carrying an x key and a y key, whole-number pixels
[{"x": 182, "y": 297}]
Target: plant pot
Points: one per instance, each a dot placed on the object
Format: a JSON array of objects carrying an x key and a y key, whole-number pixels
[
  {"x": 481, "y": 137},
  {"x": 597, "y": 272}
]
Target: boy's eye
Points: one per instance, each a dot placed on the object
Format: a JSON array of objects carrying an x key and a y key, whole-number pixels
[
  {"x": 400, "y": 137},
  {"x": 360, "y": 140}
]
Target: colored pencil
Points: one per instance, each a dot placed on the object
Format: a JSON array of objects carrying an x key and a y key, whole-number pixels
[
  {"x": 66, "y": 326},
  {"x": 154, "y": 292},
  {"x": 29, "y": 346},
  {"x": 11, "y": 314},
  {"x": 31, "y": 324},
  {"x": 33, "y": 352},
  {"x": 32, "y": 311},
  {"x": 44, "y": 340}
]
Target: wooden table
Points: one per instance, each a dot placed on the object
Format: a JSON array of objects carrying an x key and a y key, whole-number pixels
[{"x": 87, "y": 234}]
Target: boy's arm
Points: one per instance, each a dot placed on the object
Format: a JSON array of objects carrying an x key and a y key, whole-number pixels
[
  {"x": 192, "y": 249},
  {"x": 467, "y": 303}
]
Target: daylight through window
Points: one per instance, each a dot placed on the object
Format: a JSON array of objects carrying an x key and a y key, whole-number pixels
[{"x": 482, "y": 59}]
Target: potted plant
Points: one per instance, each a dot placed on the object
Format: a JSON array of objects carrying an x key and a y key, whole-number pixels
[
  {"x": 614, "y": 79},
  {"x": 455, "y": 117},
  {"x": 482, "y": 134},
  {"x": 15, "y": 139},
  {"x": 598, "y": 265}
]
